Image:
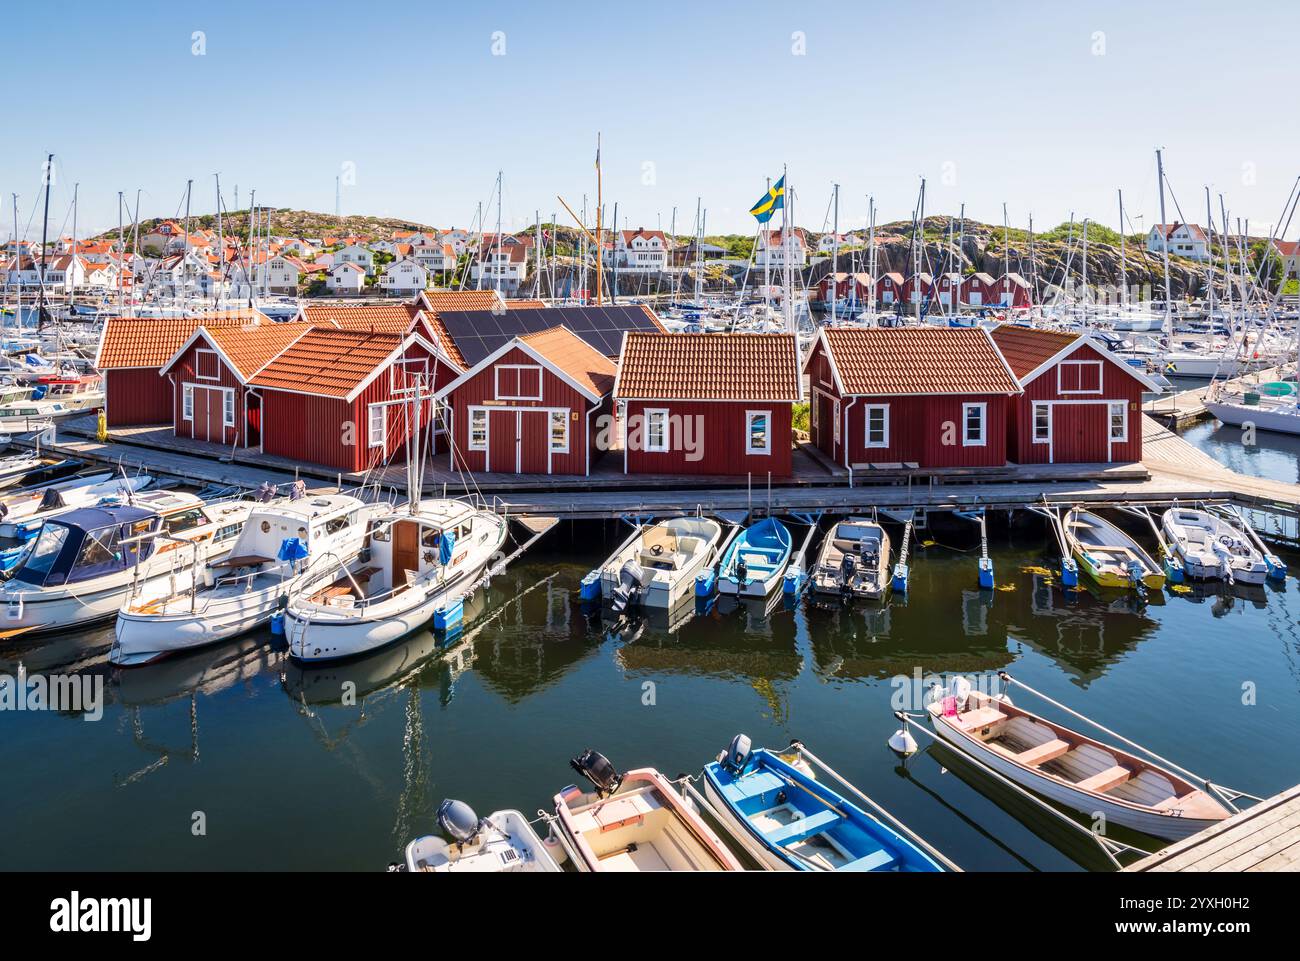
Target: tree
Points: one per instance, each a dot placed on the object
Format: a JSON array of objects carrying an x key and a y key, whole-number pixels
[{"x": 1272, "y": 273}]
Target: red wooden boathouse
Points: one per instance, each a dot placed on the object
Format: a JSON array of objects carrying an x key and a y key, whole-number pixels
[
  {"x": 1080, "y": 405},
  {"x": 928, "y": 397},
  {"x": 708, "y": 403}
]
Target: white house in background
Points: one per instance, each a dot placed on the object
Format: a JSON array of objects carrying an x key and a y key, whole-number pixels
[
  {"x": 65, "y": 273},
  {"x": 101, "y": 276},
  {"x": 300, "y": 248},
  {"x": 346, "y": 278},
  {"x": 435, "y": 258},
  {"x": 459, "y": 239},
  {"x": 773, "y": 255},
  {"x": 279, "y": 274},
  {"x": 829, "y": 242},
  {"x": 641, "y": 249},
  {"x": 504, "y": 268},
  {"x": 1184, "y": 240},
  {"x": 404, "y": 276},
  {"x": 355, "y": 254},
  {"x": 1289, "y": 250}
]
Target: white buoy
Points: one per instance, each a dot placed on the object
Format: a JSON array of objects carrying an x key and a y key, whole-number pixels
[{"x": 902, "y": 742}]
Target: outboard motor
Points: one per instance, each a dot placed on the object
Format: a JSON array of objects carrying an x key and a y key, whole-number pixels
[
  {"x": 737, "y": 757},
  {"x": 595, "y": 767},
  {"x": 848, "y": 567},
  {"x": 628, "y": 591},
  {"x": 458, "y": 821},
  {"x": 742, "y": 572}
]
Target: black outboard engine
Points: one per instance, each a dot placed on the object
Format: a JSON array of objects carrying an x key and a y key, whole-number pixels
[
  {"x": 458, "y": 821},
  {"x": 742, "y": 572},
  {"x": 848, "y": 566},
  {"x": 628, "y": 591},
  {"x": 595, "y": 767},
  {"x": 737, "y": 757}
]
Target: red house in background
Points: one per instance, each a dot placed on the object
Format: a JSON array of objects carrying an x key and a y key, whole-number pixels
[
  {"x": 532, "y": 406},
  {"x": 918, "y": 288},
  {"x": 979, "y": 290},
  {"x": 841, "y": 285},
  {"x": 889, "y": 289},
  {"x": 1080, "y": 405},
  {"x": 1014, "y": 291},
  {"x": 708, "y": 403},
  {"x": 931, "y": 397}
]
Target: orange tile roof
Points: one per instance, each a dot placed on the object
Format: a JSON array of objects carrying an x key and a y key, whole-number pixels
[
  {"x": 1026, "y": 349},
  {"x": 758, "y": 367},
  {"x": 875, "y": 361},
  {"x": 250, "y": 349},
  {"x": 151, "y": 341},
  {"x": 573, "y": 355},
  {"x": 521, "y": 304},
  {"x": 393, "y": 318},
  {"x": 329, "y": 362}
]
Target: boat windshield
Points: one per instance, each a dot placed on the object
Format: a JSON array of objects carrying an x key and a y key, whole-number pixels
[
  {"x": 40, "y": 559},
  {"x": 65, "y": 554}
]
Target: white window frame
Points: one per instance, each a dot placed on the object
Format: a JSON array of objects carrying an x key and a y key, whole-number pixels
[
  {"x": 470, "y": 443},
  {"x": 983, "y": 440},
  {"x": 550, "y": 431},
  {"x": 1046, "y": 407},
  {"x": 1060, "y": 388},
  {"x": 371, "y": 410},
  {"x": 187, "y": 402},
  {"x": 228, "y": 401},
  {"x": 496, "y": 381},
  {"x": 835, "y": 416},
  {"x": 417, "y": 366},
  {"x": 812, "y": 409},
  {"x": 1110, "y": 424},
  {"x": 750, "y": 416},
  {"x": 648, "y": 417},
  {"x": 200, "y": 351},
  {"x": 868, "y": 410}
]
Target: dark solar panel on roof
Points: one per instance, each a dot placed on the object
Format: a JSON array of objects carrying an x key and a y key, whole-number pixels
[{"x": 477, "y": 333}]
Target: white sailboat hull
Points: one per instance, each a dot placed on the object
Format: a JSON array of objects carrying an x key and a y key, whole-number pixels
[
  {"x": 141, "y": 638},
  {"x": 1282, "y": 420}
]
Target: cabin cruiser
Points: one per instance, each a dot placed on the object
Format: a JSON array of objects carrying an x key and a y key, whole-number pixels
[
  {"x": 75, "y": 393},
  {"x": 20, "y": 417},
  {"x": 1210, "y": 546},
  {"x": 502, "y": 842},
  {"x": 854, "y": 560},
  {"x": 83, "y": 562},
  {"x": 635, "y": 822},
  {"x": 657, "y": 565},
  {"x": 272, "y": 557},
  {"x": 422, "y": 556}
]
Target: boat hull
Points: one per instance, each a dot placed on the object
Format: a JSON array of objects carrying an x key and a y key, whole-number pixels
[
  {"x": 1261, "y": 417},
  {"x": 142, "y": 638},
  {"x": 515, "y": 848}
]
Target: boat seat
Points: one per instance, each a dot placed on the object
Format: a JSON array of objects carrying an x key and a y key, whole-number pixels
[
  {"x": 1103, "y": 781},
  {"x": 752, "y": 785},
  {"x": 980, "y": 717},
  {"x": 1041, "y": 754},
  {"x": 804, "y": 827},
  {"x": 875, "y": 861}
]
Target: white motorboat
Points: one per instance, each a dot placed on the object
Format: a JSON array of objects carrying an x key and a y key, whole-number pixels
[
  {"x": 25, "y": 416},
  {"x": 656, "y": 566},
  {"x": 83, "y": 562},
  {"x": 1273, "y": 406},
  {"x": 421, "y": 557},
  {"x": 854, "y": 560},
  {"x": 285, "y": 546},
  {"x": 1075, "y": 770},
  {"x": 502, "y": 842},
  {"x": 20, "y": 514},
  {"x": 1210, "y": 546}
]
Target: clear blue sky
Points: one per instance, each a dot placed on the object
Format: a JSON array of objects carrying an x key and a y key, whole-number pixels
[{"x": 991, "y": 102}]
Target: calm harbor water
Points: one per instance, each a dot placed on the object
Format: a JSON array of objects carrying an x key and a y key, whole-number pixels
[{"x": 286, "y": 776}]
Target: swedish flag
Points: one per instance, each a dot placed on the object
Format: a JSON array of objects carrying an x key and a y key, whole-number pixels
[{"x": 772, "y": 201}]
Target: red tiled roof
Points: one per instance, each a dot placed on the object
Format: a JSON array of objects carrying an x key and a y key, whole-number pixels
[
  {"x": 392, "y": 318},
  {"x": 876, "y": 361},
  {"x": 151, "y": 341},
  {"x": 328, "y": 362},
  {"x": 1286, "y": 248},
  {"x": 573, "y": 355},
  {"x": 249, "y": 349},
  {"x": 1026, "y": 349},
  {"x": 759, "y": 367}
]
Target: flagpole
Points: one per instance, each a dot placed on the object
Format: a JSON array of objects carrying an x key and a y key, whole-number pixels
[{"x": 787, "y": 197}]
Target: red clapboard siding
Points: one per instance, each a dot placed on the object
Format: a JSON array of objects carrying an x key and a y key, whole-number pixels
[
  {"x": 207, "y": 423},
  {"x": 519, "y": 430},
  {"x": 717, "y": 434},
  {"x": 1080, "y": 422},
  {"x": 137, "y": 396},
  {"x": 928, "y": 431},
  {"x": 823, "y": 393}
]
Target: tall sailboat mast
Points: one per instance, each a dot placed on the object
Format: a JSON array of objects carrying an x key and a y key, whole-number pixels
[
  {"x": 835, "y": 251},
  {"x": 1123, "y": 255},
  {"x": 45, "y": 227},
  {"x": 600, "y": 247},
  {"x": 1164, "y": 246}
]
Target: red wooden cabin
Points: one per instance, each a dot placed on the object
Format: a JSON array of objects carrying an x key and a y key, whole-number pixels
[
  {"x": 889, "y": 289},
  {"x": 708, "y": 403},
  {"x": 930, "y": 397},
  {"x": 533, "y": 406},
  {"x": 1080, "y": 404},
  {"x": 918, "y": 288},
  {"x": 1014, "y": 291},
  {"x": 979, "y": 290}
]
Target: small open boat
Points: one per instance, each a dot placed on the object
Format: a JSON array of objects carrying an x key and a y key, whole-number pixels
[
  {"x": 755, "y": 561},
  {"x": 502, "y": 842},
  {"x": 656, "y": 566},
  {"x": 635, "y": 822},
  {"x": 1108, "y": 555},
  {"x": 1211, "y": 547},
  {"x": 854, "y": 560},
  {"x": 789, "y": 821},
  {"x": 1070, "y": 768}
]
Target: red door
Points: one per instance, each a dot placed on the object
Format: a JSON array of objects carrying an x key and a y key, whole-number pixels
[
  {"x": 502, "y": 442},
  {"x": 534, "y": 441},
  {"x": 825, "y": 438},
  {"x": 1080, "y": 434}
]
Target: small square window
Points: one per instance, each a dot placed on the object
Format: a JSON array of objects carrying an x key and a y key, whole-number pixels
[{"x": 478, "y": 429}]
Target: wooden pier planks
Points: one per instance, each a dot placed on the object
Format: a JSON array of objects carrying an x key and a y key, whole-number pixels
[{"x": 1263, "y": 838}]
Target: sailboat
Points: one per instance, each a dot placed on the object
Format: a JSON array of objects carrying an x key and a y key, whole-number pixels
[{"x": 423, "y": 556}]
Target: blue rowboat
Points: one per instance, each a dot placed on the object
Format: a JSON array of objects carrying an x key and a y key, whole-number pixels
[
  {"x": 790, "y": 821},
  {"x": 756, "y": 560}
]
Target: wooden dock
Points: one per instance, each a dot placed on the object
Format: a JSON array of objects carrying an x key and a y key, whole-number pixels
[
  {"x": 1187, "y": 407},
  {"x": 1263, "y": 838}
]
